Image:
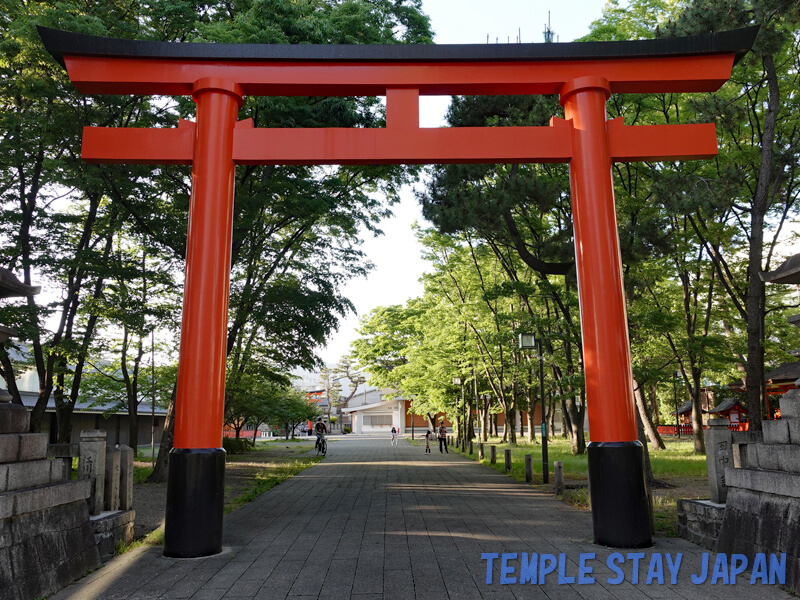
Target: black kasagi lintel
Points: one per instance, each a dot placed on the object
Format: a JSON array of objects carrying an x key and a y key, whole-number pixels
[{"x": 60, "y": 43}]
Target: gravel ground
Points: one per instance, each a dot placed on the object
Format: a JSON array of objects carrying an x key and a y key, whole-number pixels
[{"x": 149, "y": 501}]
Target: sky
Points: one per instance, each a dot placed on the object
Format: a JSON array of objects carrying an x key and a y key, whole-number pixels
[{"x": 396, "y": 254}]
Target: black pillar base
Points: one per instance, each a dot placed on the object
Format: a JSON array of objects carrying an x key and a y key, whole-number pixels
[
  {"x": 618, "y": 492},
  {"x": 195, "y": 502}
]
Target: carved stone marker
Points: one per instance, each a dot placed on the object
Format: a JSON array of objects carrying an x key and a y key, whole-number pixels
[
  {"x": 528, "y": 468},
  {"x": 111, "y": 495},
  {"x": 92, "y": 466},
  {"x": 493, "y": 454},
  {"x": 125, "y": 478},
  {"x": 719, "y": 454}
]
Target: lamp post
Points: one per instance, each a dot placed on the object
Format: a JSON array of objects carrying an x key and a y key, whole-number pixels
[
  {"x": 527, "y": 341},
  {"x": 457, "y": 381}
]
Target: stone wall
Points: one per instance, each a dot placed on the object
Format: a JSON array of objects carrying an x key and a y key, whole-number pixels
[
  {"x": 759, "y": 481},
  {"x": 762, "y": 512},
  {"x": 699, "y": 521},
  {"x": 42, "y": 550},
  {"x": 46, "y": 541},
  {"x": 111, "y": 529}
]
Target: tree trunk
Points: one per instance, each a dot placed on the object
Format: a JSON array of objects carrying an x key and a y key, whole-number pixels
[
  {"x": 161, "y": 468},
  {"x": 654, "y": 409},
  {"x": 755, "y": 290},
  {"x": 650, "y": 479},
  {"x": 485, "y": 421},
  {"x": 697, "y": 415},
  {"x": 133, "y": 425},
  {"x": 63, "y": 417},
  {"x": 577, "y": 439},
  {"x": 431, "y": 421},
  {"x": 8, "y": 375},
  {"x": 511, "y": 425},
  {"x": 45, "y": 389},
  {"x": 470, "y": 423},
  {"x": 644, "y": 416},
  {"x": 532, "y": 419}
]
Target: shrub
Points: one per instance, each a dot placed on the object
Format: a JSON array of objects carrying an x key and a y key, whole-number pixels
[
  {"x": 346, "y": 430},
  {"x": 236, "y": 446}
]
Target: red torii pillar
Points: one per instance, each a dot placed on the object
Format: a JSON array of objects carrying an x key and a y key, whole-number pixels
[{"x": 219, "y": 75}]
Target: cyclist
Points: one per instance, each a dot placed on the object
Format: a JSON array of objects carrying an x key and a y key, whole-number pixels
[{"x": 320, "y": 429}]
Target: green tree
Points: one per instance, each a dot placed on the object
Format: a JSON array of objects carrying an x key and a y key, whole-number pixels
[
  {"x": 290, "y": 409},
  {"x": 757, "y": 180}
]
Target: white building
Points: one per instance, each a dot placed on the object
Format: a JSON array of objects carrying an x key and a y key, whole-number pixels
[{"x": 371, "y": 412}]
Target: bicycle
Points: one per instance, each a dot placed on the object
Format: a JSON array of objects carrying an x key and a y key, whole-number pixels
[{"x": 321, "y": 446}]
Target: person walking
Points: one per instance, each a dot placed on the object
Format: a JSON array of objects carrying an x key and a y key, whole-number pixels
[
  {"x": 394, "y": 436},
  {"x": 443, "y": 437},
  {"x": 428, "y": 442}
]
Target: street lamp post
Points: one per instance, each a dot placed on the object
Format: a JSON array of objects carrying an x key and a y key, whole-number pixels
[{"x": 527, "y": 341}]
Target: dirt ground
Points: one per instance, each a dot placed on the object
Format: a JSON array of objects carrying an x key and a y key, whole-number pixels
[{"x": 150, "y": 499}]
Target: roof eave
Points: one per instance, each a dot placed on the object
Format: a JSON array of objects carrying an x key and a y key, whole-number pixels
[{"x": 61, "y": 43}]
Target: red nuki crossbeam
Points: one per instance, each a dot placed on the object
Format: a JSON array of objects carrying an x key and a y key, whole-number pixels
[{"x": 399, "y": 145}]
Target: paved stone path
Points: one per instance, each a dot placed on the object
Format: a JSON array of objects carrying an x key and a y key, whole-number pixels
[{"x": 375, "y": 521}]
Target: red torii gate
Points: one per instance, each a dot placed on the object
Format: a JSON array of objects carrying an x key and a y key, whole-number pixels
[{"x": 218, "y": 76}]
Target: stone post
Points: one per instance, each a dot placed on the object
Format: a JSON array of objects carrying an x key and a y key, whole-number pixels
[
  {"x": 126, "y": 478},
  {"x": 493, "y": 454},
  {"x": 92, "y": 466},
  {"x": 718, "y": 456},
  {"x": 528, "y": 468},
  {"x": 508, "y": 459},
  {"x": 480, "y": 450},
  {"x": 790, "y": 403},
  {"x": 558, "y": 468},
  {"x": 470, "y": 446},
  {"x": 112, "y": 478}
]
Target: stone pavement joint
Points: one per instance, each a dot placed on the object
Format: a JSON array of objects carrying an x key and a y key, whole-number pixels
[{"x": 380, "y": 522}]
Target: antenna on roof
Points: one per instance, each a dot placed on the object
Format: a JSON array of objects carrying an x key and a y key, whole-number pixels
[{"x": 548, "y": 33}]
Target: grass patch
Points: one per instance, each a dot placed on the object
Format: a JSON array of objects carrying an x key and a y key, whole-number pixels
[
  {"x": 140, "y": 474},
  {"x": 678, "y": 460},
  {"x": 577, "y": 497},
  {"x": 154, "y": 538},
  {"x": 268, "y": 477},
  {"x": 294, "y": 440},
  {"x": 665, "y": 516}
]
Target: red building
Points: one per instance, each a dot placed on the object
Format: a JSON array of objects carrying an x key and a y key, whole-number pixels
[{"x": 731, "y": 409}]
